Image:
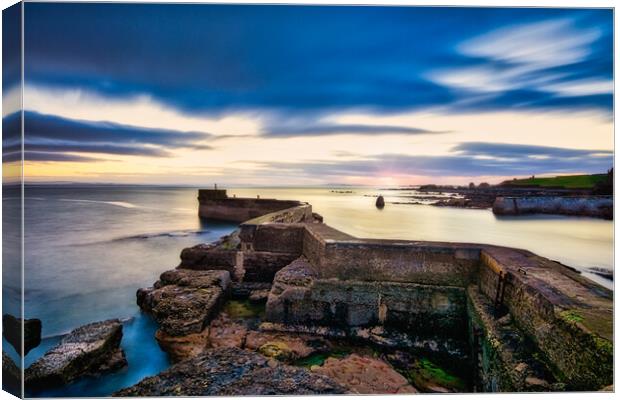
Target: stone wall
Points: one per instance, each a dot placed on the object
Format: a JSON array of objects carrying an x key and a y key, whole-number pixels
[
  {"x": 216, "y": 204},
  {"x": 590, "y": 206},
  {"x": 534, "y": 323}
]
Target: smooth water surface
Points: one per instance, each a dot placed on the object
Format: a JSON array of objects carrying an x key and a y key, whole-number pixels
[{"x": 89, "y": 248}]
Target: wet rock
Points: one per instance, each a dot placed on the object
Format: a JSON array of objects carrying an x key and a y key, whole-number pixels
[
  {"x": 243, "y": 290},
  {"x": 225, "y": 332},
  {"x": 12, "y": 330},
  {"x": 181, "y": 348},
  {"x": 380, "y": 203},
  {"x": 259, "y": 296},
  {"x": 232, "y": 372},
  {"x": 91, "y": 349},
  {"x": 184, "y": 301},
  {"x": 11, "y": 376},
  {"x": 208, "y": 257},
  {"x": 365, "y": 375},
  {"x": 285, "y": 346}
]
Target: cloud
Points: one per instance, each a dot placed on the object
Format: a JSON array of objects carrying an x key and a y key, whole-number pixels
[
  {"x": 532, "y": 64},
  {"x": 50, "y": 137},
  {"x": 467, "y": 159},
  {"x": 42, "y": 156},
  {"x": 323, "y": 129},
  {"x": 523, "y": 152},
  {"x": 218, "y": 59}
]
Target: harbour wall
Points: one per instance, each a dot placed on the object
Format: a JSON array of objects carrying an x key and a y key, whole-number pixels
[
  {"x": 508, "y": 308},
  {"x": 215, "y": 204},
  {"x": 587, "y": 206}
]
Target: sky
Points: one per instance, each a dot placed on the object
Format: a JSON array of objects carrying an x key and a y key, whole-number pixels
[{"x": 310, "y": 95}]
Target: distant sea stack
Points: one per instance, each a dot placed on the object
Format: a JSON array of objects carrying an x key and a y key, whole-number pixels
[{"x": 380, "y": 202}]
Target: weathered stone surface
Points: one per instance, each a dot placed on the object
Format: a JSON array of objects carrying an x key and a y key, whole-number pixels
[
  {"x": 243, "y": 290},
  {"x": 505, "y": 359},
  {"x": 224, "y": 332},
  {"x": 232, "y": 371},
  {"x": 279, "y": 238},
  {"x": 261, "y": 266},
  {"x": 208, "y": 257},
  {"x": 365, "y": 375},
  {"x": 221, "y": 207},
  {"x": 89, "y": 349},
  {"x": 588, "y": 206},
  {"x": 433, "y": 317},
  {"x": 183, "y": 347},
  {"x": 568, "y": 317},
  {"x": 12, "y": 331},
  {"x": 184, "y": 301},
  {"x": 11, "y": 376},
  {"x": 259, "y": 296},
  {"x": 285, "y": 346}
]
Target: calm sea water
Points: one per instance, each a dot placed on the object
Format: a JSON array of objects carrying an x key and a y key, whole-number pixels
[{"x": 89, "y": 248}]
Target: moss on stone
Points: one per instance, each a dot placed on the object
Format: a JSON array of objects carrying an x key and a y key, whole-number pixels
[
  {"x": 571, "y": 316},
  {"x": 244, "y": 309},
  {"x": 426, "y": 374}
]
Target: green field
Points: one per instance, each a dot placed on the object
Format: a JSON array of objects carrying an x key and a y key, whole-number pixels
[{"x": 568, "y": 181}]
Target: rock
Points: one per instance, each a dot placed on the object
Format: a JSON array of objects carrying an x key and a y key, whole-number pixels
[
  {"x": 259, "y": 296},
  {"x": 184, "y": 301},
  {"x": 181, "y": 348},
  {"x": 232, "y": 372},
  {"x": 243, "y": 290},
  {"x": 11, "y": 376},
  {"x": 285, "y": 346},
  {"x": 88, "y": 350},
  {"x": 380, "y": 203},
  {"x": 225, "y": 332},
  {"x": 208, "y": 257},
  {"x": 11, "y": 329},
  {"x": 365, "y": 375}
]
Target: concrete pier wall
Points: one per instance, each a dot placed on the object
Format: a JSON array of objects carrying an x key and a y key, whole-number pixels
[
  {"x": 439, "y": 296},
  {"x": 590, "y": 206},
  {"x": 215, "y": 204}
]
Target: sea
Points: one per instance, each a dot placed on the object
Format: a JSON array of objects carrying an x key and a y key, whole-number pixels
[{"x": 89, "y": 248}]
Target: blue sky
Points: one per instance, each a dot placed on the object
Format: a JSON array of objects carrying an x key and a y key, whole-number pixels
[{"x": 304, "y": 94}]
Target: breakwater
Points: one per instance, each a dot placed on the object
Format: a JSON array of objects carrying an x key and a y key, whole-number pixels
[
  {"x": 587, "y": 206},
  {"x": 518, "y": 321},
  {"x": 461, "y": 299},
  {"x": 215, "y": 204}
]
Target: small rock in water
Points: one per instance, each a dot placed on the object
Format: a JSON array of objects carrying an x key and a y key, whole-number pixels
[
  {"x": 380, "y": 203},
  {"x": 88, "y": 350},
  {"x": 12, "y": 331}
]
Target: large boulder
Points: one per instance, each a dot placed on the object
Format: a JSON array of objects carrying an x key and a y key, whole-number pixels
[
  {"x": 12, "y": 331},
  {"x": 365, "y": 375},
  {"x": 91, "y": 349},
  {"x": 183, "y": 302},
  {"x": 231, "y": 371}
]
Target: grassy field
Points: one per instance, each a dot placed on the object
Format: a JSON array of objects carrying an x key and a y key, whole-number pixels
[{"x": 568, "y": 182}]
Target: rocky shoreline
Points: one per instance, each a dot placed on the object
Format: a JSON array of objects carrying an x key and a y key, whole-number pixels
[
  {"x": 573, "y": 202},
  {"x": 288, "y": 305}
]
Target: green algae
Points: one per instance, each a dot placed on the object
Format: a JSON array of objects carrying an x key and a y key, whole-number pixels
[
  {"x": 426, "y": 375},
  {"x": 571, "y": 316},
  {"x": 244, "y": 309},
  {"x": 318, "y": 359}
]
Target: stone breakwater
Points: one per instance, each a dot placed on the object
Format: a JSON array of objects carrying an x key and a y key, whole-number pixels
[
  {"x": 513, "y": 320},
  {"x": 587, "y": 206}
]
